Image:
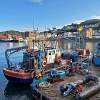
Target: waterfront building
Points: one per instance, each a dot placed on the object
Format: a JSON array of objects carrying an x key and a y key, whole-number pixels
[
  {"x": 89, "y": 33},
  {"x": 96, "y": 34}
]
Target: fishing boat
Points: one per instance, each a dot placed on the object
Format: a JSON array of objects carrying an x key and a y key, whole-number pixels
[
  {"x": 21, "y": 73},
  {"x": 33, "y": 60},
  {"x": 96, "y": 56},
  {"x": 8, "y": 40}
]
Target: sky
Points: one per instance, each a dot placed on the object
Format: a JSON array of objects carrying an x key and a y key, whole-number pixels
[{"x": 21, "y": 15}]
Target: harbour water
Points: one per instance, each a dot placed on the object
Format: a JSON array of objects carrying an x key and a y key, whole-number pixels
[{"x": 10, "y": 92}]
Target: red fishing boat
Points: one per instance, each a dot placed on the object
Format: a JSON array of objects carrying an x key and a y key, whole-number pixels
[{"x": 18, "y": 76}]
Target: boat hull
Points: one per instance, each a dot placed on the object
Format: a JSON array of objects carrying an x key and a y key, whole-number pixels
[
  {"x": 8, "y": 40},
  {"x": 18, "y": 77}
]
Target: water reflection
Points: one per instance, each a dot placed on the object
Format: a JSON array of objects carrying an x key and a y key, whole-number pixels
[
  {"x": 89, "y": 45},
  {"x": 18, "y": 92},
  {"x": 67, "y": 44},
  {"x": 7, "y": 45}
]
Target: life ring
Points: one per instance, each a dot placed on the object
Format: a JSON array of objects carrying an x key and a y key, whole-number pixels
[
  {"x": 87, "y": 52},
  {"x": 44, "y": 63}
]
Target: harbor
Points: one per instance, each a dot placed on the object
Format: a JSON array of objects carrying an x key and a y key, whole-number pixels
[
  {"x": 49, "y": 50},
  {"x": 30, "y": 95},
  {"x": 55, "y": 65}
]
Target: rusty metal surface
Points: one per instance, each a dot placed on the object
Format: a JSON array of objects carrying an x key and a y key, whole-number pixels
[{"x": 53, "y": 92}]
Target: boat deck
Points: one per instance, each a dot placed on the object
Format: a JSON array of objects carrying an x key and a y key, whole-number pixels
[{"x": 52, "y": 92}]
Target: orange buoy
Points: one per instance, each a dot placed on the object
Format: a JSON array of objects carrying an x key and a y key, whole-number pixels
[
  {"x": 29, "y": 50},
  {"x": 44, "y": 63}
]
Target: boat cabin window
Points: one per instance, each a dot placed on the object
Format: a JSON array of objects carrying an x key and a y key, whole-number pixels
[
  {"x": 57, "y": 51},
  {"x": 97, "y": 53},
  {"x": 52, "y": 52}
]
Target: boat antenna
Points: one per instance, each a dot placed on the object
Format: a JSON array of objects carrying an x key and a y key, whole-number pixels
[
  {"x": 33, "y": 25},
  {"x": 33, "y": 33}
]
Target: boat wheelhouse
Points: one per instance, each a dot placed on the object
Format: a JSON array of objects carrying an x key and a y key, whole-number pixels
[
  {"x": 23, "y": 72},
  {"x": 96, "y": 58}
]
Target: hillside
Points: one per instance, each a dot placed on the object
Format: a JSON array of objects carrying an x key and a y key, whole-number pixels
[
  {"x": 12, "y": 32},
  {"x": 92, "y": 23}
]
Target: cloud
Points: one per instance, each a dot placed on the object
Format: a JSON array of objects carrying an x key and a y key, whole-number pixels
[
  {"x": 78, "y": 21},
  {"x": 95, "y": 17},
  {"x": 82, "y": 20}
]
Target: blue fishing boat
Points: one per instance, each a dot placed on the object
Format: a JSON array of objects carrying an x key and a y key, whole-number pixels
[{"x": 96, "y": 56}]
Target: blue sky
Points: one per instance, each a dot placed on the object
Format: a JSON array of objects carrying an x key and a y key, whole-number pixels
[{"x": 19, "y": 14}]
